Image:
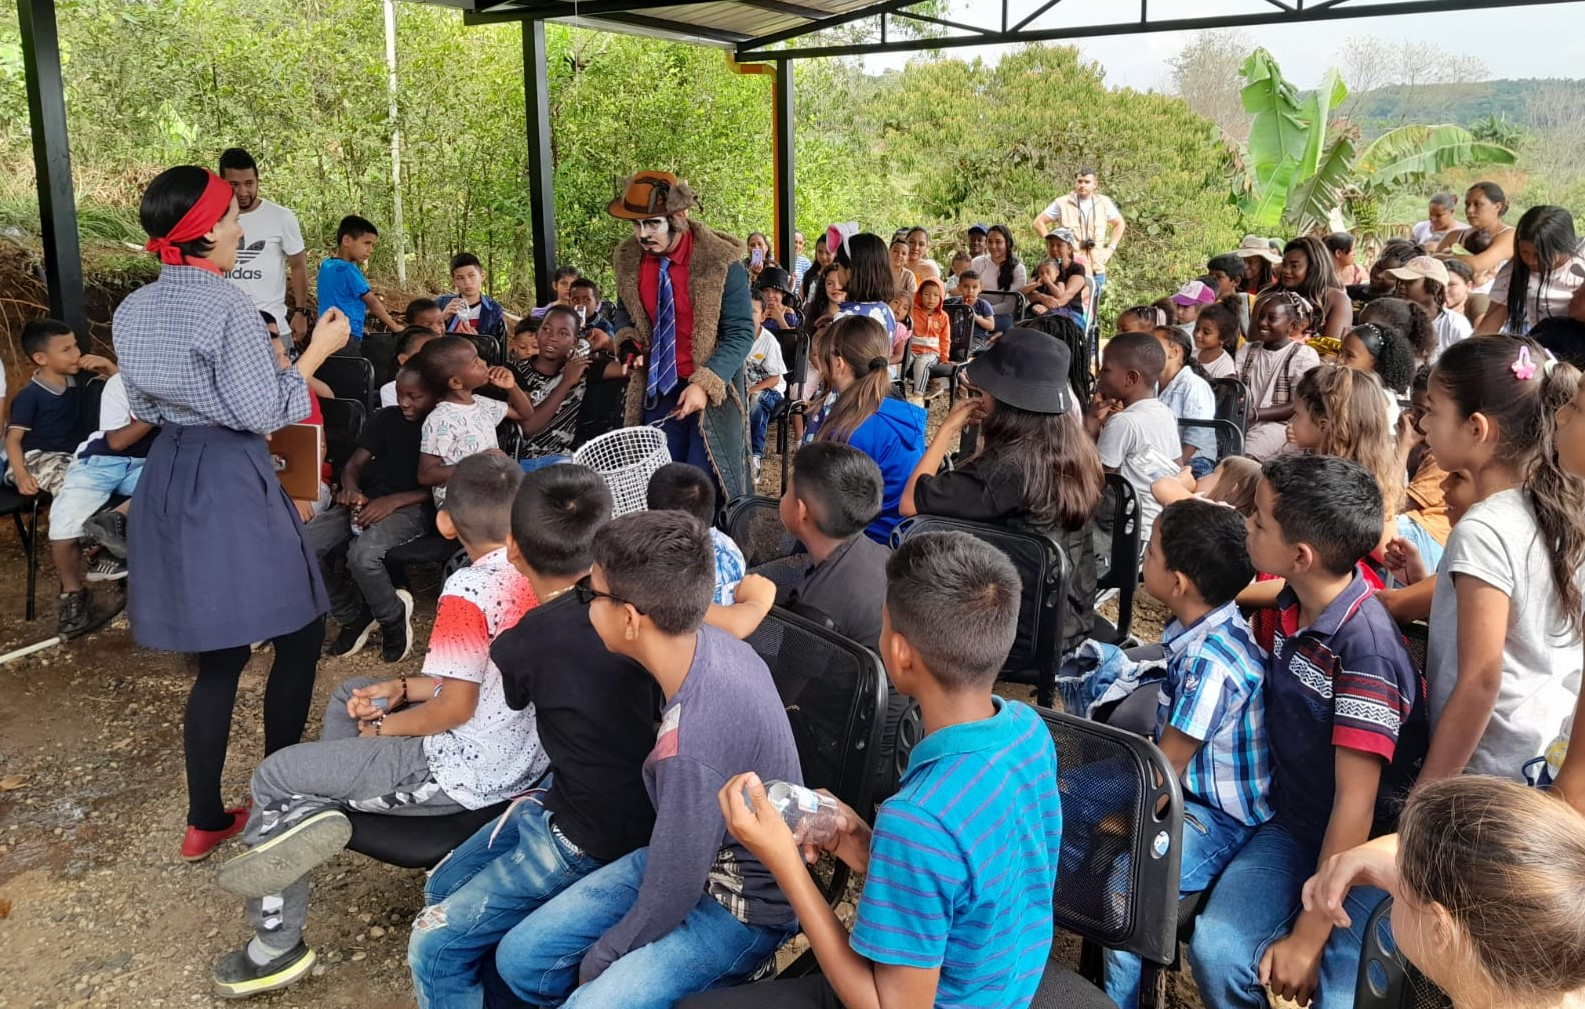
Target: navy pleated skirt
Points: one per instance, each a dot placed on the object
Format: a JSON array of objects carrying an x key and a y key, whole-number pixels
[{"x": 215, "y": 551}]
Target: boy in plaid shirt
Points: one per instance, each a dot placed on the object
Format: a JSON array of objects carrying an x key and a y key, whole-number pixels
[{"x": 1210, "y": 717}]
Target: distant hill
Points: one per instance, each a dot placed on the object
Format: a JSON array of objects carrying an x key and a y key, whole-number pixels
[{"x": 1463, "y": 104}]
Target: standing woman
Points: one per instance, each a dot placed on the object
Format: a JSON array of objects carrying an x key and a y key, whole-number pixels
[
  {"x": 1484, "y": 207},
  {"x": 1000, "y": 270},
  {"x": 216, "y": 557}
]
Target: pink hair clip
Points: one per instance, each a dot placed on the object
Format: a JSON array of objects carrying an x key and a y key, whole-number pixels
[{"x": 1523, "y": 367}]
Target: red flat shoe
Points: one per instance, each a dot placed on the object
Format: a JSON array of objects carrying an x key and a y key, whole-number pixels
[{"x": 197, "y": 844}]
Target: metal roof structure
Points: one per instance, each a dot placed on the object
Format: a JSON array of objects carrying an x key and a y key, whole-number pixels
[{"x": 764, "y": 31}]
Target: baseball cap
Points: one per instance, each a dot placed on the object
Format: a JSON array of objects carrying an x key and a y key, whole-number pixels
[
  {"x": 1428, "y": 267},
  {"x": 1063, "y": 233},
  {"x": 981, "y": 228},
  {"x": 1193, "y": 293}
]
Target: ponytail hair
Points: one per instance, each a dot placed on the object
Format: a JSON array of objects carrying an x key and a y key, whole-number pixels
[
  {"x": 1185, "y": 344},
  {"x": 861, "y": 342},
  {"x": 1480, "y": 376},
  {"x": 1507, "y": 864},
  {"x": 1354, "y": 412},
  {"x": 1407, "y": 318},
  {"x": 1393, "y": 356}
]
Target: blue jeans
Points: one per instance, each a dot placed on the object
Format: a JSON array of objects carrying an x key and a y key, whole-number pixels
[
  {"x": 1430, "y": 550},
  {"x": 685, "y": 437},
  {"x": 540, "y": 462},
  {"x": 1095, "y": 296},
  {"x": 540, "y": 958},
  {"x": 479, "y": 894},
  {"x": 1254, "y": 904},
  {"x": 1210, "y": 840},
  {"x": 764, "y": 404}
]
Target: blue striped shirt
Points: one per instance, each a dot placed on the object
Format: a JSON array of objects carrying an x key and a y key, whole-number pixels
[
  {"x": 1212, "y": 694},
  {"x": 963, "y": 861}
]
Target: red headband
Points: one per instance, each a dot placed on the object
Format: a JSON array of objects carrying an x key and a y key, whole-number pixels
[{"x": 196, "y": 223}]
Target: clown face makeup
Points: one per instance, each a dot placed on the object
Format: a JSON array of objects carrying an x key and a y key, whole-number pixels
[{"x": 654, "y": 234}]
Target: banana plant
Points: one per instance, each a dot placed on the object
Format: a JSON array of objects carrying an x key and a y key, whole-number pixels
[{"x": 1300, "y": 171}]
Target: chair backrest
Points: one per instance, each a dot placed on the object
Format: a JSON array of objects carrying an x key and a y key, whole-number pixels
[
  {"x": 489, "y": 348},
  {"x": 1386, "y": 979},
  {"x": 961, "y": 318},
  {"x": 835, "y": 693},
  {"x": 1122, "y": 834},
  {"x": 1043, "y": 570},
  {"x": 1123, "y": 573},
  {"x": 350, "y": 378},
  {"x": 1071, "y": 333},
  {"x": 1229, "y": 439},
  {"x": 1232, "y": 401},
  {"x": 344, "y": 420},
  {"x": 1020, "y": 303},
  {"x": 754, "y": 523},
  {"x": 379, "y": 349}
]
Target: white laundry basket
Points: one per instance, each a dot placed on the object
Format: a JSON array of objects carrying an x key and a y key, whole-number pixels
[{"x": 627, "y": 458}]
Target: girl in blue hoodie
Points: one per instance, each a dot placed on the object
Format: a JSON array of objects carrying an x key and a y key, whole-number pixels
[{"x": 888, "y": 430}]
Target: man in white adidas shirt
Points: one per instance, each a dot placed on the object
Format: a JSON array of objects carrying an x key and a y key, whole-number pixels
[{"x": 271, "y": 243}]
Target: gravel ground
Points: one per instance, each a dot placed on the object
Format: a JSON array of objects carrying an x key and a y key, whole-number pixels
[{"x": 96, "y": 906}]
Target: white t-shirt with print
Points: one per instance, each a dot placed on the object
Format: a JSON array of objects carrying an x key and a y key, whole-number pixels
[
  {"x": 765, "y": 359},
  {"x": 495, "y": 754},
  {"x": 454, "y": 431},
  {"x": 269, "y": 234},
  {"x": 1499, "y": 542},
  {"x": 1141, "y": 443}
]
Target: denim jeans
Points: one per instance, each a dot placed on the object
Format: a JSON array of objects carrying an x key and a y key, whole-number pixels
[
  {"x": 367, "y": 582},
  {"x": 483, "y": 890},
  {"x": 1210, "y": 840},
  {"x": 1254, "y": 904},
  {"x": 540, "y": 462},
  {"x": 540, "y": 958},
  {"x": 1430, "y": 550},
  {"x": 762, "y": 405}
]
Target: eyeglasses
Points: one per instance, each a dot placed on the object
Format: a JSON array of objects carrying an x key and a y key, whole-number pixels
[{"x": 587, "y": 594}]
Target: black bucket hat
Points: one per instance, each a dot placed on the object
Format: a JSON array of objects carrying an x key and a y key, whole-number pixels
[
  {"x": 1027, "y": 369},
  {"x": 774, "y": 277}
]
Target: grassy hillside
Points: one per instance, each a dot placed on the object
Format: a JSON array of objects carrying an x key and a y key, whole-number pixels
[{"x": 1463, "y": 104}]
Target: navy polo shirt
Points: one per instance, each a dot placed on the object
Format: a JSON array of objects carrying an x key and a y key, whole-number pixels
[{"x": 1346, "y": 680}]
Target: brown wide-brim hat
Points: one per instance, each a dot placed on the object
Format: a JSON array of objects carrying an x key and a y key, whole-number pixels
[{"x": 651, "y": 194}]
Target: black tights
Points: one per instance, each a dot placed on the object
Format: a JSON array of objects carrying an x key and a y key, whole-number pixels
[{"x": 287, "y": 696}]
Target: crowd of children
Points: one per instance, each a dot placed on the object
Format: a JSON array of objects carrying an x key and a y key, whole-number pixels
[{"x": 1425, "y": 475}]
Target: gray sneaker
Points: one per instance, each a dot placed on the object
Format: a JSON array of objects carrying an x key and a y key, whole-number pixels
[
  {"x": 109, "y": 530},
  {"x": 286, "y": 855},
  {"x": 104, "y": 568}
]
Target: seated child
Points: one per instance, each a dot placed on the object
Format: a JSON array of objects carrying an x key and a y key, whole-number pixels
[
  {"x": 1485, "y": 877},
  {"x": 424, "y": 313},
  {"x": 408, "y": 342},
  {"x": 1192, "y": 299},
  {"x": 1186, "y": 389},
  {"x": 437, "y": 743},
  {"x": 108, "y": 463},
  {"x": 776, "y": 287},
  {"x": 931, "y": 340},
  {"x": 678, "y": 486},
  {"x": 1210, "y": 715},
  {"x": 596, "y": 713},
  {"x": 956, "y": 908},
  {"x": 1345, "y": 729},
  {"x": 470, "y": 310},
  {"x": 1057, "y": 287},
  {"x": 597, "y": 332},
  {"x": 766, "y": 373},
  {"x": 1140, "y": 319},
  {"x": 1270, "y": 365},
  {"x": 554, "y": 379},
  {"x": 524, "y": 343},
  {"x": 1135, "y": 433},
  {"x": 694, "y": 909},
  {"x": 461, "y": 424},
  {"x": 1232, "y": 483},
  {"x": 1384, "y": 352},
  {"x": 46, "y": 415},
  {"x": 961, "y": 263},
  {"x": 967, "y": 292},
  {"x": 381, "y": 505}
]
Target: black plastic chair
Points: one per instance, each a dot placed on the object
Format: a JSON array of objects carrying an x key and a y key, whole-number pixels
[
  {"x": 604, "y": 401},
  {"x": 1070, "y": 333},
  {"x": 344, "y": 420},
  {"x": 350, "y": 378},
  {"x": 1229, "y": 439},
  {"x": 1386, "y": 979},
  {"x": 1020, "y": 306},
  {"x": 797, "y": 373},
  {"x": 754, "y": 523},
  {"x": 1117, "y": 875},
  {"x": 379, "y": 349},
  {"x": 490, "y": 349},
  {"x": 415, "y": 842},
  {"x": 1037, "y": 648},
  {"x": 431, "y": 548},
  {"x": 1232, "y": 401},
  {"x": 961, "y": 320},
  {"x": 1123, "y": 572}
]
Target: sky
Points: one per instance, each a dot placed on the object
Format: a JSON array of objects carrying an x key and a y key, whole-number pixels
[{"x": 1506, "y": 39}]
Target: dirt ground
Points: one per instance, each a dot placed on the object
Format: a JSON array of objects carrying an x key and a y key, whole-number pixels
[{"x": 96, "y": 906}]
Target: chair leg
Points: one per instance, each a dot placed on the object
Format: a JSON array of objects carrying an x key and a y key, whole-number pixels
[
  {"x": 1152, "y": 986},
  {"x": 32, "y": 540},
  {"x": 783, "y": 426}
]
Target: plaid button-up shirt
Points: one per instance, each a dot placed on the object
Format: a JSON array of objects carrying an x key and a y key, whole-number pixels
[{"x": 193, "y": 351}]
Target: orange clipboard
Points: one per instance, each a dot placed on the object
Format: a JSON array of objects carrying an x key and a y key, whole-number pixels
[{"x": 296, "y": 454}]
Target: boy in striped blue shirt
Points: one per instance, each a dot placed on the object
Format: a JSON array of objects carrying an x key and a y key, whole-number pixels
[
  {"x": 962, "y": 861},
  {"x": 1210, "y": 716}
]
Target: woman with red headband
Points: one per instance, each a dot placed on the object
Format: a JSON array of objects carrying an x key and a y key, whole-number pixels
[{"x": 216, "y": 558}]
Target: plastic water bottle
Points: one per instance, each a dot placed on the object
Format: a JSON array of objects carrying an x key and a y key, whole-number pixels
[{"x": 812, "y": 817}]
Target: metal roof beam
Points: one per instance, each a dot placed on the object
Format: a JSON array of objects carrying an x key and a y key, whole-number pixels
[
  {"x": 1327, "y": 10},
  {"x": 789, "y": 9},
  {"x": 833, "y": 21}
]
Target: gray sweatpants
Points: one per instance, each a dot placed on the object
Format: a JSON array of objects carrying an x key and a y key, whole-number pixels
[{"x": 385, "y": 774}]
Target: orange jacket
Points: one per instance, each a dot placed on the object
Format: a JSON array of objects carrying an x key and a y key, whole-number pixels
[{"x": 932, "y": 330}]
